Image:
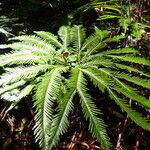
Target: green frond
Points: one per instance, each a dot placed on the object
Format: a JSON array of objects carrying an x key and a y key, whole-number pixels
[
  {"x": 60, "y": 122},
  {"x": 15, "y": 96},
  {"x": 92, "y": 48},
  {"x": 124, "y": 23},
  {"x": 119, "y": 51},
  {"x": 99, "y": 61},
  {"x": 34, "y": 40},
  {"x": 78, "y": 36},
  {"x": 11, "y": 87},
  {"x": 135, "y": 116},
  {"x": 88, "y": 41},
  {"x": 45, "y": 96},
  {"x": 133, "y": 79},
  {"x": 107, "y": 16},
  {"x": 24, "y": 92},
  {"x": 19, "y": 73},
  {"x": 98, "y": 79},
  {"x": 132, "y": 94},
  {"x": 131, "y": 69},
  {"x": 65, "y": 35},
  {"x": 25, "y": 47},
  {"x": 132, "y": 59},
  {"x": 21, "y": 57},
  {"x": 102, "y": 34},
  {"x": 125, "y": 89},
  {"x": 97, "y": 126},
  {"x": 43, "y": 63},
  {"x": 51, "y": 38},
  {"x": 100, "y": 56},
  {"x": 114, "y": 39}
]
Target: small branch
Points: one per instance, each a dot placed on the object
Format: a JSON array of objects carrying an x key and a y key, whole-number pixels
[
  {"x": 137, "y": 143},
  {"x": 119, "y": 141}
]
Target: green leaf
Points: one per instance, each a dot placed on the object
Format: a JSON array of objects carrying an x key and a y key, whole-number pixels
[
  {"x": 124, "y": 23},
  {"x": 65, "y": 35},
  {"x": 51, "y": 38},
  {"x": 46, "y": 93},
  {"x": 135, "y": 116},
  {"x": 60, "y": 122},
  {"x": 97, "y": 126},
  {"x": 132, "y": 59}
]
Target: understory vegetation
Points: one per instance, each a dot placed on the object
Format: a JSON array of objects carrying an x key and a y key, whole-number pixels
[{"x": 75, "y": 75}]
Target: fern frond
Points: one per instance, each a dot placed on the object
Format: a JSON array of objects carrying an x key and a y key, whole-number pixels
[
  {"x": 34, "y": 40},
  {"x": 93, "y": 47},
  {"x": 19, "y": 73},
  {"x": 21, "y": 57},
  {"x": 51, "y": 38},
  {"x": 135, "y": 116},
  {"x": 119, "y": 51},
  {"x": 97, "y": 126},
  {"x": 26, "y": 47},
  {"x": 101, "y": 55},
  {"x": 90, "y": 40},
  {"x": 46, "y": 93},
  {"x": 107, "y": 16},
  {"x": 133, "y": 79},
  {"x": 125, "y": 89},
  {"x": 11, "y": 87},
  {"x": 98, "y": 79},
  {"x": 124, "y": 23},
  {"x": 132, "y": 59},
  {"x": 101, "y": 61},
  {"x": 24, "y": 92},
  {"x": 65, "y": 35},
  {"x": 60, "y": 122},
  {"x": 114, "y": 39},
  {"x": 132, "y": 94},
  {"x": 101, "y": 33},
  {"x": 78, "y": 36},
  {"x": 132, "y": 69}
]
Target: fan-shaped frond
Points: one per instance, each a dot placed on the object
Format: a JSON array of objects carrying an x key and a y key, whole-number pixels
[
  {"x": 45, "y": 96},
  {"x": 97, "y": 126}
]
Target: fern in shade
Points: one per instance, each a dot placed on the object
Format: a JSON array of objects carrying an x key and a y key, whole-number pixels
[{"x": 38, "y": 64}]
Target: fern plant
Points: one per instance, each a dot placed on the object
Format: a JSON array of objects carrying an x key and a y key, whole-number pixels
[{"x": 39, "y": 64}]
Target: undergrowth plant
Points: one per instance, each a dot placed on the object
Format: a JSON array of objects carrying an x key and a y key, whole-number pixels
[{"x": 57, "y": 68}]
